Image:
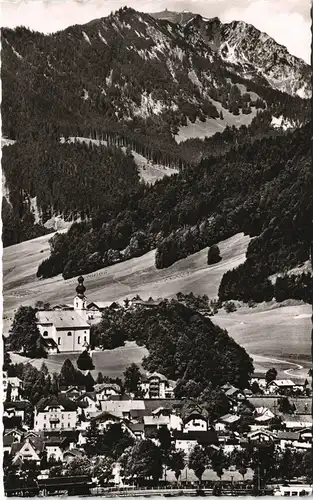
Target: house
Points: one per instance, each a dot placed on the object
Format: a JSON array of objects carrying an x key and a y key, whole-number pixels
[
  {"x": 152, "y": 423},
  {"x": 226, "y": 421},
  {"x": 11, "y": 436},
  {"x": 263, "y": 415},
  {"x": 56, "y": 445},
  {"x": 305, "y": 435},
  {"x": 283, "y": 387},
  {"x": 71, "y": 454},
  {"x": 154, "y": 386},
  {"x": 287, "y": 438},
  {"x": 195, "y": 418},
  {"x": 187, "y": 441},
  {"x": 261, "y": 381},
  {"x": 142, "y": 304},
  {"x": 105, "y": 419},
  {"x": 88, "y": 402},
  {"x": 72, "y": 392},
  {"x": 261, "y": 436},
  {"x": 294, "y": 490},
  {"x": 138, "y": 429},
  {"x": 16, "y": 387},
  {"x": 95, "y": 310},
  {"x": 234, "y": 394},
  {"x": 69, "y": 330},
  {"x": 294, "y": 422},
  {"x": 28, "y": 450},
  {"x": 55, "y": 412},
  {"x": 104, "y": 391}
]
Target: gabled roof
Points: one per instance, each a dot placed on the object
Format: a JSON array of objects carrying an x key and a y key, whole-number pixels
[
  {"x": 55, "y": 401},
  {"x": 261, "y": 431},
  {"x": 231, "y": 391},
  {"x": 193, "y": 410},
  {"x": 148, "y": 376},
  {"x": 90, "y": 395},
  {"x": 62, "y": 319},
  {"x": 289, "y": 436},
  {"x": 282, "y": 383},
  {"x": 98, "y": 305},
  {"x": 17, "y": 405},
  {"x": 74, "y": 452},
  {"x": 229, "y": 419},
  {"x": 102, "y": 387},
  {"x": 153, "y": 420},
  {"x": 104, "y": 416},
  {"x": 117, "y": 408},
  {"x": 37, "y": 444}
]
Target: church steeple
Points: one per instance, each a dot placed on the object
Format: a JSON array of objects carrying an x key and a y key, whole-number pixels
[{"x": 80, "y": 300}]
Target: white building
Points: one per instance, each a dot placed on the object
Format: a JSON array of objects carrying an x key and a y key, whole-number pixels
[
  {"x": 16, "y": 387},
  {"x": 68, "y": 329},
  {"x": 55, "y": 413}
]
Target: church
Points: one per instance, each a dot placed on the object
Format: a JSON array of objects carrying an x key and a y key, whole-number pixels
[{"x": 67, "y": 330}]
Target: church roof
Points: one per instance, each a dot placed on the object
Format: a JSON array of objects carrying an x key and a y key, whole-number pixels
[{"x": 62, "y": 319}]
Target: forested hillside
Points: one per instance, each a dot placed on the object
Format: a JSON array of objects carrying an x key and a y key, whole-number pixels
[
  {"x": 180, "y": 341},
  {"x": 68, "y": 179},
  {"x": 135, "y": 81},
  {"x": 263, "y": 189}
]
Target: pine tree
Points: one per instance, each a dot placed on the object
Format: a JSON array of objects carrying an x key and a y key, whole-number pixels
[{"x": 68, "y": 375}]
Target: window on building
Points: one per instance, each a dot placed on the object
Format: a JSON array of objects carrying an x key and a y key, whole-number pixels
[
  {"x": 85, "y": 338},
  {"x": 78, "y": 340},
  {"x": 45, "y": 416},
  {"x": 44, "y": 426},
  {"x": 69, "y": 424},
  {"x": 69, "y": 334},
  {"x": 45, "y": 333},
  {"x": 59, "y": 340},
  {"x": 76, "y": 304}
]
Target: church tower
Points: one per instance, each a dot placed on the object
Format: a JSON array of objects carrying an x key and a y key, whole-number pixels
[{"x": 80, "y": 300}]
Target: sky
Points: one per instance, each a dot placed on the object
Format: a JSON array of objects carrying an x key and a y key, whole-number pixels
[{"x": 287, "y": 21}]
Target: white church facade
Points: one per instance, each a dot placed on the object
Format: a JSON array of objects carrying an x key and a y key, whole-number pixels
[{"x": 68, "y": 330}]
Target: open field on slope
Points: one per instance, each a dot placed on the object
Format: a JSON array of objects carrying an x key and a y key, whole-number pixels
[
  {"x": 269, "y": 333},
  {"x": 116, "y": 282},
  {"x": 211, "y": 126},
  {"x": 111, "y": 363}
]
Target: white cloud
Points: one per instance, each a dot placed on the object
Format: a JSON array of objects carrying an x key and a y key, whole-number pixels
[{"x": 287, "y": 21}]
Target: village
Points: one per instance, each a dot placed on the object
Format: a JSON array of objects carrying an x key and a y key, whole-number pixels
[{"x": 107, "y": 436}]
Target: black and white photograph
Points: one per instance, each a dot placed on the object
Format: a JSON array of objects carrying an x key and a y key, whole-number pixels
[{"x": 157, "y": 248}]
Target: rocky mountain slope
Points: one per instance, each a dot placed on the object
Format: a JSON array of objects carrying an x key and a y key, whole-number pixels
[
  {"x": 143, "y": 76},
  {"x": 253, "y": 54}
]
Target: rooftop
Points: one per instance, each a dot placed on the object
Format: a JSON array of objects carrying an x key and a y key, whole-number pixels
[{"x": 62, "y": 319}]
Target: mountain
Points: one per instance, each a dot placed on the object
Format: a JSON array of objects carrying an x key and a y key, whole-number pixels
[
  {"x": 140, "y": 83},
  {"x": 253, "y": 54},
  {"x": 144, "y": 78}
]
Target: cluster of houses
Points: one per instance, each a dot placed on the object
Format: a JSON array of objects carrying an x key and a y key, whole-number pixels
[
  {"x": 57, "y": 427},
  {"x": 60, "y": 422}
]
